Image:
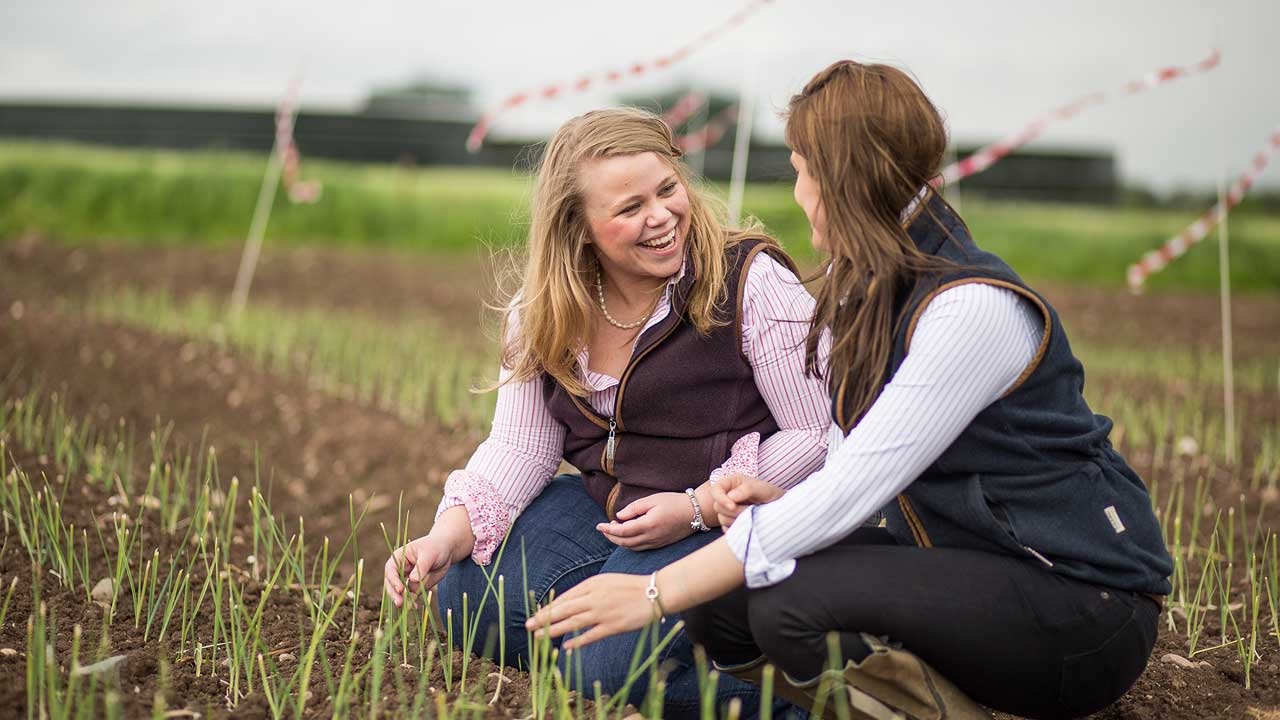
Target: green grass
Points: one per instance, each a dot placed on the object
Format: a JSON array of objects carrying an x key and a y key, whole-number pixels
[
  {"x": 87, "y": 194},
  {"x": 1084, "y": 244},
  {"x": 416, "y": 368},
  {"x": 90, "y": 194}
]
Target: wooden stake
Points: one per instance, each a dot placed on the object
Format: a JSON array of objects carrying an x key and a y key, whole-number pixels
[
  {"x": 742, "y": 146},
  {"x": 266, "y": 198},
  {"x": 257, "y": 229},
  {"x": 1224, "y": 284},
  {"x": 700, "y": 121}
]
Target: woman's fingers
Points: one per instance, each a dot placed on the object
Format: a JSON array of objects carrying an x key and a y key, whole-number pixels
[
  {"x": 412, "y": 567},
  {"x": 423, "y": 562},
  {"x": 721, "y": 492},
  {"x": 629, "y": 529},
  {"x": 391, "y": 576},
  {"x": 631, "y": 543},
  {"x": 564, "y": 627},
  {"x": 725, "y": 508},
  {"x": 636, "y": 509},
  {"x": 562, "y": 607}
]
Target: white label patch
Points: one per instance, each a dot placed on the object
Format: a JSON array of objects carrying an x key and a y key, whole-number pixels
[{"x": 1114, "y": 517}]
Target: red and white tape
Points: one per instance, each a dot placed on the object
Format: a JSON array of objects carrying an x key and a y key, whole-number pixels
[
  {"x": 710, "y": 133},
  {"x": 684, "y": 108},
  {"x": 991, "y": 154},
  {"x": 300, "y": 191},
  {"x": 638, "y": 69},
  {"x": 1156, "y": 260}
]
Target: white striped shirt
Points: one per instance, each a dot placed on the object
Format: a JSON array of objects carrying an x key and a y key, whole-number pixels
[
  {"x": 526, "y": 444},
  {"x": 970, "y": 346}
]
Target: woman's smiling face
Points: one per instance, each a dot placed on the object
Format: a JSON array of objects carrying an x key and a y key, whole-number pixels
[{"x": 637, "y": 210}]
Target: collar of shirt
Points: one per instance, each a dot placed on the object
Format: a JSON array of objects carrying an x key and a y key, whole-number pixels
[{"x": 915, "y": 202}]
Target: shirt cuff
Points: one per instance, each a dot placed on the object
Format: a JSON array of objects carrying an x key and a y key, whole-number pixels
[
  {"x": 758, "y": 570},
  {"x": 744, "y": 459},
  {"x": 485, "y": 509}
]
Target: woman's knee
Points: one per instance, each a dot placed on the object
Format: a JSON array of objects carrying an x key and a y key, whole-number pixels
[
  {"x": 465, "y": 600},
  {"x": 608, "y": 662},
  {"x": 721, "y": 628},
  {"x": 785, "y": 633}
]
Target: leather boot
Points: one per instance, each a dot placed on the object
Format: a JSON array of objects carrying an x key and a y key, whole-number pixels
[{"x": 888, "y": 684}]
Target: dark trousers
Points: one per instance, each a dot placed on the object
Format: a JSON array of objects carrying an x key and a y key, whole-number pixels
[{"x": 1010, "y": 633}]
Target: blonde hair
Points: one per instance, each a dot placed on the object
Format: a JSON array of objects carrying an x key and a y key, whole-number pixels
[
  {"x": 871, "y": 139},
  {"x": 555, "y": 300}
]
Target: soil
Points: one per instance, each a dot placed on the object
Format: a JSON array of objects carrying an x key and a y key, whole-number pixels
[{"x": 318, "y": 449}]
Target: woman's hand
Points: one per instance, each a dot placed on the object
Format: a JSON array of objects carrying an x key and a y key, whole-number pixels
[
  {"x": 651, "y": 522},
  {"x": 732, "y": 495},
  {"x": 601, "y": 606},
  {"x": 422, "y": 562}
]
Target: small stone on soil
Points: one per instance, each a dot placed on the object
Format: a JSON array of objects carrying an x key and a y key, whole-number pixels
[
  {"x": 102, "y": 592},
  {"x": 1182, "y": 662}
]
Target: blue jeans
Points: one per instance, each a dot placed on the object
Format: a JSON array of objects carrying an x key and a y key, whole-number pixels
[{"x": 555, "y": 540}]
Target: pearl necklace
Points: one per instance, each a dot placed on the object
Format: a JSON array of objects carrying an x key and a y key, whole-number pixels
[{"x": 605, "y": 310}]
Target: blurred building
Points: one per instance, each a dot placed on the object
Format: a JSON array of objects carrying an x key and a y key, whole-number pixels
[{"x": 427, "y": 124}]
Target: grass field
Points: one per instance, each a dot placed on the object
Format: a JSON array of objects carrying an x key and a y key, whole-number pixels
[{"x": 89, "y": 194}]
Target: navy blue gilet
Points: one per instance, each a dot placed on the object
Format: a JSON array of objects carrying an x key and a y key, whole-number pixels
[{"x": 1034, "y": 475}]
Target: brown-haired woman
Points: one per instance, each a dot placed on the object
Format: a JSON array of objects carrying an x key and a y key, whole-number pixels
[
  {"x": 647, "y": 344},
  {"x": 1019, "y": 564}
]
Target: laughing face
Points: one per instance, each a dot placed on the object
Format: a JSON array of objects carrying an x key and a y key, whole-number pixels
[{"x": 638, "y": 212}]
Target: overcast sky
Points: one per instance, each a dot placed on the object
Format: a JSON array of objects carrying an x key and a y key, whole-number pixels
[{"x": 991, "y": 66}]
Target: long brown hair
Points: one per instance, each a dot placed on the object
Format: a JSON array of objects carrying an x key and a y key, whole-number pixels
[
  {"x": 871, "y": 139},
  {"x": 555, "y": 300}
]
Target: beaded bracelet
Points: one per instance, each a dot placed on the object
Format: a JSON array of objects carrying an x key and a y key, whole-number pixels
[{"x": 696, "y": 523}]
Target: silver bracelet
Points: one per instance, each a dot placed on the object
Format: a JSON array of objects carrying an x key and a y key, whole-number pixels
[
  {"x": 651, "y": 593},
  {"x": 696, "y": 523}
]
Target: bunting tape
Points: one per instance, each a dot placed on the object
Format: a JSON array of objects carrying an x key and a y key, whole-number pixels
[
  {"x": 300, "y": 191},
  {"x": 684, "y": 108},
  {"x": 710, "y": 133},
  {"x": 993, "y": 153},
  {"x": 1156, "y": 260},
  {"x": 638, "y": 69}
]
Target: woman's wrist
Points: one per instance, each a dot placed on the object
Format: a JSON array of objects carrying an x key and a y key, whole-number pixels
[
  {"x": 697, "y": 522},
  {"x": 703, "y": 575},
  {"x": 707, "y": 503},
  {"x": 453, "y": 530}
]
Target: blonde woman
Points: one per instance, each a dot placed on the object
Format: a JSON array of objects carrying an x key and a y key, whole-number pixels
[{"x": 651, "y": 348}]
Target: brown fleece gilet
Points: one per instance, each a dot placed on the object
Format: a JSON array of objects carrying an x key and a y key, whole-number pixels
[{"x": 683, "y": 400}]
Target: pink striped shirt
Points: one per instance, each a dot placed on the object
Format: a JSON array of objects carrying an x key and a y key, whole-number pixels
[{"x": 526, "y": 445}]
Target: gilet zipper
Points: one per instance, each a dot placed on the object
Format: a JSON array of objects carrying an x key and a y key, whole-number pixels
[{"x": 611, "y": 445}]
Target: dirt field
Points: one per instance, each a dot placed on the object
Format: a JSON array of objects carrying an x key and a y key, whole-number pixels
[{"x": 318, "y": 450}]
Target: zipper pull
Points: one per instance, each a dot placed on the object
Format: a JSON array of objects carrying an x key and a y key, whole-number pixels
[{"x": 612, "y": 443}]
